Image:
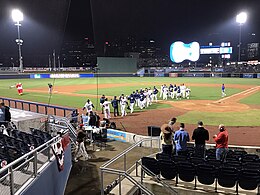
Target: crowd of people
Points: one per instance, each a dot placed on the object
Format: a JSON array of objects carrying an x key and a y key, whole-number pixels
[{"x": 175, "y": 142}]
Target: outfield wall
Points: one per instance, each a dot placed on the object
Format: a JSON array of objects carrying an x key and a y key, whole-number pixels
[
  {"x": 117, "y": 65},
  {"x": 154, "y": 74}
]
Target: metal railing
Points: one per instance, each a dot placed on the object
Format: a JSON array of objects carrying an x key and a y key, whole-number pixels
[
  {"x": 156, "y": 177},
  {"x": 36, "y": 107},
  {"x": 16, "y": 175},
  {"x": 57, "y": 123},
  {"x": 125, "y": 173}
]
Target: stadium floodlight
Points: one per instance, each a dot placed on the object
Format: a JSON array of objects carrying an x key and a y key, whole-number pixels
[
  {"x": 17, "y": 16},
  {"x": 241, "y": 19}
]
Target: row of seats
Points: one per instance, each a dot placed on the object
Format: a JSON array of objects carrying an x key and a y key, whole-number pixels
[
  {"x": 205, "y": 171},
  {"x": 15, "y": 143}
]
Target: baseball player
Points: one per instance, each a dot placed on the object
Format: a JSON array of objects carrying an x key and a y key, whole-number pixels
[
  {"x": 132, "y": 102},
  {"x": 178, "y": 93},
  {"x": 137, "y": 98},
  {"x": 89, "y": 106},
  {"x": 101, "y": 102},
  {"x": 142, "y": 100},
  {"x": 188, "y": 93},
  {"x": 123, "y": 104},
  {"x": 161, "y": 90},
  {"x": 165, "y": 93},
  {"x": 154, "y": 95},
  {"x": 106, "y": 109},
  {"x": 50, "y": 86},
  {"x": 223, "y": 90},
  {"x": 174, "y": 92},
  {"x": 183, "y": 90}
]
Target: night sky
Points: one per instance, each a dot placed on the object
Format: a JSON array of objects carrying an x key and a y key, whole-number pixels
[{"x": 47, "y": 24}]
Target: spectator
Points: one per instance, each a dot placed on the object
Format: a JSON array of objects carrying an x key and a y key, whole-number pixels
[
  {"x": 2, "y": 115},
  {"x": 97, "y": 119},
  {"x": 181, "y": 137},
  {"x": 85, "y": 119},
  {"x": 200, "y": 135},
  {"x": 74, "y": 118},
  {"x": 166, "y": 139},
  {"x": 92, "y": 119},
  {"x": 221, "y": 140},
  {"x": 80, "y": 145},
  {"x": 171, "y": 123},
  {"x": 7, "y": 112}
]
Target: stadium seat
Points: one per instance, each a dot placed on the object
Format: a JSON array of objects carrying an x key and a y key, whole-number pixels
[
  {"x": 151, "y": 164},
  {"x": 177, "y": 158},
  {"x": 186, "y": 172},
  {"x": 249, "y": 179},
  {"x": 197, "y": 160},
  {"x": 251, "y": 165},
  {"x": 227, "y": 177},
  {"x": 249, "y": 158},
  {"x": 216, "y": 163},
  {"x": 168, "y": 169},
  {"x": 162, "y": 156},
  {"x": 206, "y": 174}
]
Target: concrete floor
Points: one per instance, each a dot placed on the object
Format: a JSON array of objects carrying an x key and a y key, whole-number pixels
[{"x": 85, "y": 175}]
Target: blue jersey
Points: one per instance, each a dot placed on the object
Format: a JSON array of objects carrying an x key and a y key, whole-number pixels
[
  {"x": 131, "y": 99},
  {"x": 223, "y": 87},
  {"x": 155, "y": 91}
]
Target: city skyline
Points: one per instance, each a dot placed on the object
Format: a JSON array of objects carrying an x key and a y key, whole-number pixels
[{"x": 102, "y": 21}]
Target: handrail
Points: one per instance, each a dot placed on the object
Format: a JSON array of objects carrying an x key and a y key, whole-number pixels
[
  {"x": 68, "y": 124},
  {"x": 157, "y": 178},
  {"x": 126, "y": 151},
  {"x": 104, "y": 167},
  {"x": 29, "y": 153},
  {"x": 131, "y": 179}
]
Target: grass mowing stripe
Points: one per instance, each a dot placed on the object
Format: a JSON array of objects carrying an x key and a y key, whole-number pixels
[
  {"x": 253, "y": 99},
  {"x": 245, "y": 118}
]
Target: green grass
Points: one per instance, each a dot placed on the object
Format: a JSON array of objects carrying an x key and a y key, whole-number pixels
[
  {"x": 252, "y": 99},
  {"x": 32, "y": 83},
  {"x": 245, "y": 118},
  {"x": 197, "y": 93}
]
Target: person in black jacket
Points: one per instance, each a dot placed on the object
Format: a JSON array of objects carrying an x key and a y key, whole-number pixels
[
  {"x": 200, "y": 135},
  {"x": 114, "y": 103},
  {"x": 92, "y": 119}
]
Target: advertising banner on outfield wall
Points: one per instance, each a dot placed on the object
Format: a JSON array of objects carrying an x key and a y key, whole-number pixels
[
  {"x": 246, "y": 75},
  {"x": 193, "y": 75},
  {"x": 60, "y": 76},
  {"x": 158, "y": 74},
  {"x": 173, "y": 74},
  {"x": 258, "y": 75}
]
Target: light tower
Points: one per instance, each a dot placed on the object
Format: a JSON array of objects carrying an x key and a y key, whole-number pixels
[
  {"x": 240, "y": 19},
  {"x": 17, "y": 16}
]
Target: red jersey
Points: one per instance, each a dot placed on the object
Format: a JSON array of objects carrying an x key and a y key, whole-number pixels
[{"x": 222, "y": 139}]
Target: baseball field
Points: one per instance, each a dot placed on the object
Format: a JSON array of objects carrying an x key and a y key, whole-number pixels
[{"x": 239, "y": 110}]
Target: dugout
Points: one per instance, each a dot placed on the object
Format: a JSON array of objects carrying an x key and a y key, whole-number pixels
[{"x": 117, "y": 65}]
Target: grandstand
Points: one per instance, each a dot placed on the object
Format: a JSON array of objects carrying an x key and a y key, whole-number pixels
[{"x": 28, "y": 155}]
